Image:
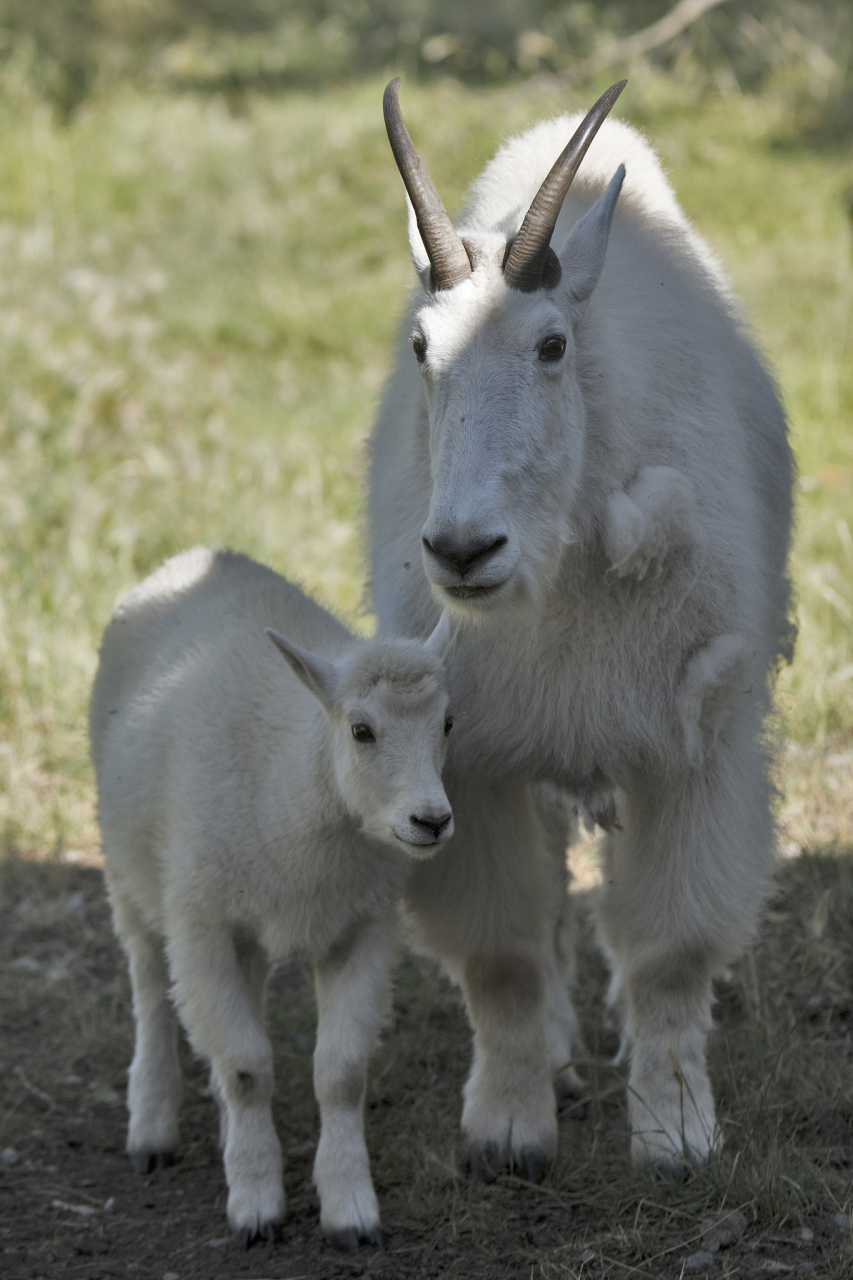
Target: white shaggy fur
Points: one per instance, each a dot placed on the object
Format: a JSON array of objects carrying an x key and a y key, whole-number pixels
[
  {"x": 244, "y": 820},
  {"x": 657, "y": 439}
]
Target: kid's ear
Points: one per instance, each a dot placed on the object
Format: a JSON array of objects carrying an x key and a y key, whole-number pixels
[
  {"x": 420, "y": 257},
  {"x": 582, "y": 257},
  {"x": 317, "y": 674}
]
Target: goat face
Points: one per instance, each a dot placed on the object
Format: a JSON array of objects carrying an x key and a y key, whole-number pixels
[
  {"x": 495, "y": 342},
  {"x": 505, "y": 436},
  {"x": 388, "y": 750}
]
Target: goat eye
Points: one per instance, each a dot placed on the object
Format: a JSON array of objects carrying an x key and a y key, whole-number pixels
[
  {"x": 552, "y": 348},
  {"x": 419, "y": 347},
  {"x": 363, "y": 733},
  {"x": 448, "y": 724}
]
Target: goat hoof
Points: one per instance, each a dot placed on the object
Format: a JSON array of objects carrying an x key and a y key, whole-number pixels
[
  {"x": 349, "y": 1238},
  {"x": 149, "y": 1161},
  {"x": 532, "y": 1164},
  {"x": 245, "y": 1237}
]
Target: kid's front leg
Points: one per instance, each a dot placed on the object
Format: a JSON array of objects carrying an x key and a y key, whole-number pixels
[{"x": 352, "y": 985}]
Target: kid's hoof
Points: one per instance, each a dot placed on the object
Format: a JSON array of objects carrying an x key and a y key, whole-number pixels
[
  {"x": 349, "y": 1238},
  {"x": 148, "y": 1161},
  {"x": 266, "y": 1233},
  {"x": 532, "y": 1165}
]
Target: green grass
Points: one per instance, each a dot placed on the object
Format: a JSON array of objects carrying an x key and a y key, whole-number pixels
[{"x": 196, "y": 311}]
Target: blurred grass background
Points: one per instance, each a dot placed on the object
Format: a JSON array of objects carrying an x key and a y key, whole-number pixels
[{"x": 202, "y": 263}]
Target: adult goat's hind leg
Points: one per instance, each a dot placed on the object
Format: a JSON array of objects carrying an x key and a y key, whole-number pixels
[
  {"x": 219, "y": 1006},
  {"x": 558, "y": 814},
  {"x": 352, "y": 985},
  {"x": 483, "y": 905},
  {"x": 688, "y": 873},
  {"x": 154, "y": 1083}
]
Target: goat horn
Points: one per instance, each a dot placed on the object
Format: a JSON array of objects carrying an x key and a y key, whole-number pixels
[
  {"x": 530, "y": 262},
  {"x": 446, "y": 252}
]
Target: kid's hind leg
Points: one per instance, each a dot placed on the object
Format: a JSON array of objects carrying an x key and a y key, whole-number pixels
[
  {"x": 220, "y": 1010},
  {"x": 154, "y": 1085},
  {"x": 352, "y": 985}
]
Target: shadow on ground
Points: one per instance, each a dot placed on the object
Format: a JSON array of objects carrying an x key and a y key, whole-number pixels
[{"x": 781, "y": 1059}]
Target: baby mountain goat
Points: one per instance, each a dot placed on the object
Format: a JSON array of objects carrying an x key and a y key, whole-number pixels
[{"x": 251, "y": 809}]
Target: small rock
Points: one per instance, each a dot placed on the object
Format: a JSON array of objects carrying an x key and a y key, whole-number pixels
[
  {"x": 110, "y": 1204},
  {"x": 29, "y": 964},
  {"x": 841, "y": 1221},
  {"x": 804, "y": 1269},
  {"x": 806, "y": 1234},
  {"x": 588, "y": 1255},
  {"x": 171, "y": 1275},
  {"x": 699, "y": 1261},
  {"x": 9, "y": 1156}
]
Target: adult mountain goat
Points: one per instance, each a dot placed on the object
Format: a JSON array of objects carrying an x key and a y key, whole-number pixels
[
  {"x": 582, "y": 457},
  {"x": 249, "y": 811}
]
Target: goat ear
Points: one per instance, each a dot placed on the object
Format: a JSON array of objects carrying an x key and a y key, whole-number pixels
[
  {"x": 582, "y": 258},
  {"x": 420, "y": 257},
  {"x": 317, "y": 674}
]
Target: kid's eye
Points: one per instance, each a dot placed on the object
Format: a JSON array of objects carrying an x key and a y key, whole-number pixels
[
  {"x": 448, "y": 725},
  {"x": 419, "y": 347},
  {"x": 363, "y": 733},
  {"x": 553, "y": 347}
]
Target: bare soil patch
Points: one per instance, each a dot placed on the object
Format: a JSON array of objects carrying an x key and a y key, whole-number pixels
[{"x": 781, "y": 1058}]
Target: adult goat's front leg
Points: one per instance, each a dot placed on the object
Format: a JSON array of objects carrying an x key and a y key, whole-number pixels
[
  {"x": 509, "y": 1113},
  {"x": 220, "y": 1010},
  {"x": 484, "y": 905},
  {"x": 352, "y": 985}
]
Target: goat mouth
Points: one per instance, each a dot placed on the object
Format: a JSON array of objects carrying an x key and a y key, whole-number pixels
[
  {"x": 472, "y": 592},
  {"x": 426, "y": 843}
]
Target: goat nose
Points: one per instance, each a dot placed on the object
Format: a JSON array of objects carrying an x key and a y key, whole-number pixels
[
  {"x": 431, "y": 822},
  {"x": 461, "y": 556}
]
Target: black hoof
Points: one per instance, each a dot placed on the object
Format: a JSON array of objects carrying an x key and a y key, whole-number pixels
[
  {"x": 532, "y": 1165},
  {"x": 149, "y": 1161},
  {"x": 349, "y": 1238},
  {"x": 266, "y": 1233}
]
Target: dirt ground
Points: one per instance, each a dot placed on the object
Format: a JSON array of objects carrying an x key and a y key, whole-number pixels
[{"x": 781, "y": 1060}]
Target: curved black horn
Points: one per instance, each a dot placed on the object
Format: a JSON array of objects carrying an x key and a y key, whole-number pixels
[
  {"x": 531, "y": 263},
  {"x": 446, "y": 251}
]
